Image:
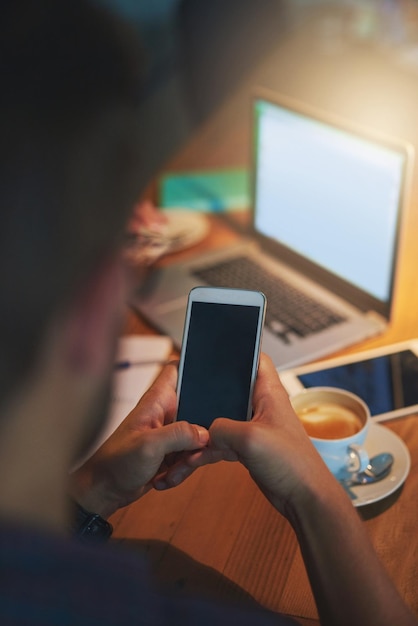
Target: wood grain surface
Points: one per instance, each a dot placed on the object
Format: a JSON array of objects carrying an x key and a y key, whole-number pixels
[{"x": 216, "y": 535}]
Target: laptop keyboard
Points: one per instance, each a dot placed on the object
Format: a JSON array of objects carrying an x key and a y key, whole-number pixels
[{"x": 288, "y": 309}]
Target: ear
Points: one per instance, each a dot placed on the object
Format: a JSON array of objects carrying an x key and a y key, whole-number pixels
[{"x": 94, "y": 319}]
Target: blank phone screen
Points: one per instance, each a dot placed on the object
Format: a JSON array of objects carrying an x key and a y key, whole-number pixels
[
  {"x": 385, "y": 383},
  {"x": 218, "y": 362}
]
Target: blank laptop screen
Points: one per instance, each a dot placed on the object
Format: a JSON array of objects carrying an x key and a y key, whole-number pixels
[{"x": 329, "y": 195}]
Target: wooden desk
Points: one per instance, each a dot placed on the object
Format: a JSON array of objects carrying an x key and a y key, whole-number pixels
[{"x": 216, "y": 535}]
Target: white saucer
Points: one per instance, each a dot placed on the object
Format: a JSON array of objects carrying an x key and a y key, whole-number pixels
[
  {"x": 382, "y": 439},
  {"x": 184, "y": 228}
]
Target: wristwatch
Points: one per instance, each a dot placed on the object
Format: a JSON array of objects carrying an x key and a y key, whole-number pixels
[{"x": 89, "y": 526}]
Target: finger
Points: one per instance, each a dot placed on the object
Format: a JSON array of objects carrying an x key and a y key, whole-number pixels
[
  {"x": 210, "y": 455},
  {"x": 172, "y": 477},
  {"x": 167, "y": 378},
  {"x": 268, "y": 380},
  {"x": 158, "y": 405},
  {"x": 187, "y": 464},
  {"x": 232, "y": 439},
  {"x": 269, "y": 396},
  {"x": 147, "y": 459},
  {"x": 184, "y": 467},
  {"x": 176, "y": 437}
]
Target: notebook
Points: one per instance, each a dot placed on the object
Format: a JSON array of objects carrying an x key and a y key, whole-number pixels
[{"x": 328, "y": 205}]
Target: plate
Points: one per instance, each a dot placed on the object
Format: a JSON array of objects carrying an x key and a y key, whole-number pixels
[
  {"x": 184, "y": 228},
  {"x": 382, "y": 439}
]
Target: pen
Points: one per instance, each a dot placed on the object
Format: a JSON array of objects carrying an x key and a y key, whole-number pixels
[{"x": 124, "y": 365}]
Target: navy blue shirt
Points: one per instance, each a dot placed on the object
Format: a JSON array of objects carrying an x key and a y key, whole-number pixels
[{"x": 49, "y": 580}]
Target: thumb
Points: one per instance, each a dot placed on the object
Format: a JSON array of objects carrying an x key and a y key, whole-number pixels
[
  {"x": 234, "y": 439},
  {"x": 178, "y": 437}
]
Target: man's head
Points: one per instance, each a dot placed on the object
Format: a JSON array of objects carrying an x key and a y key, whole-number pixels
[{"x": 69, "y": 166}]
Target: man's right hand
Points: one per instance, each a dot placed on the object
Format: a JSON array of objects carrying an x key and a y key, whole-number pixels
[
  {"x": 348, "y": 581},
  {"x": 273, "y": 445}
]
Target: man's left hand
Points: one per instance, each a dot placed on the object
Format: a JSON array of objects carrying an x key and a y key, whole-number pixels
[{"x": 149, "y": 449}]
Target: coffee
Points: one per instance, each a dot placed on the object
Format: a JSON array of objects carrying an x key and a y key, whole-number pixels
[
  {"x": 329, "y": 420},
  {"x": 337, "y": 421}
]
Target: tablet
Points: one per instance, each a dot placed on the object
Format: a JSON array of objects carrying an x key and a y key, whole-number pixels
[{"x": 385, "y": 378}]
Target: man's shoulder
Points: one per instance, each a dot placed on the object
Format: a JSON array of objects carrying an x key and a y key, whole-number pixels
[{"x": 50, "y": 580}]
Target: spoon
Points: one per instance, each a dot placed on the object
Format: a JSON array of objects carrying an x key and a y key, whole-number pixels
[{"x": 377, "y": 469}]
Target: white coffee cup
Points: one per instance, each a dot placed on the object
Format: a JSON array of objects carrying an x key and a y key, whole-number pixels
[{"x": 337, "y": 422}]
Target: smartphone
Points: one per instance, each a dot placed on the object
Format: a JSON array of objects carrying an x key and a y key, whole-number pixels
[
  {"x": 220, "y": 354},
  {"x": 385, "y": 378}
]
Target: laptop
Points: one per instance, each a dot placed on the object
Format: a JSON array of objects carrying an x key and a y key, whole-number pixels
[{"x": 328, "y": 207}]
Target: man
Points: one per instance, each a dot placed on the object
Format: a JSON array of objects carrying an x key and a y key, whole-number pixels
[{"x": 69, "y": 175}]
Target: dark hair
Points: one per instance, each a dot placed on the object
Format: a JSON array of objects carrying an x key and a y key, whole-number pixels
[{"x": 69, "y": 163}]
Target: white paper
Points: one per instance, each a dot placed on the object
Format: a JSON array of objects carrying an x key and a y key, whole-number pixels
[{"x": 130, "y": 384}]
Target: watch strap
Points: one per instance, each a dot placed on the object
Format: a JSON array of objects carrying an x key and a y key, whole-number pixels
[{"x": 90, "y": 526}]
